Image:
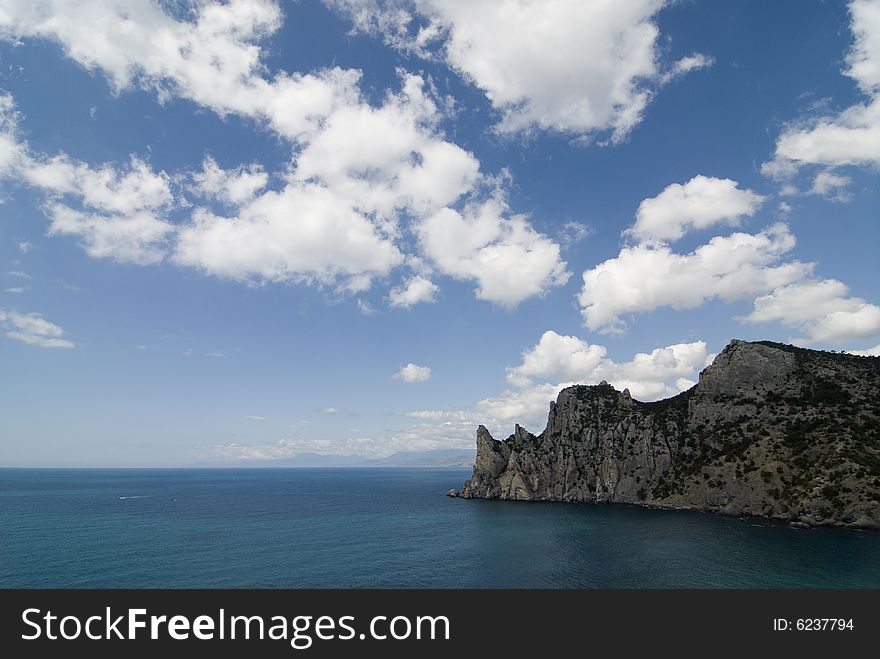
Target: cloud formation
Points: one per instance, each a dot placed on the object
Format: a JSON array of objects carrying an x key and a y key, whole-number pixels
[
  {"x": 821, "y": 309},
  {"x": 33, "y": 329},
  {"x": 363, "y": 181},
  {"x": 500, "y": 251},
  {"x": 649, "y": 274},
  {"x": 214, "y": 59},
  {"x": 851, "y": 136},
  {"x": 645, "y": 276},
  {"x": 414, "y": 290},
  {"x": 567, "y": 66},
  {"x": 700, "y": 203},
  {"x": 648, "y": 376},
  {"x": 413, "y": 373}
]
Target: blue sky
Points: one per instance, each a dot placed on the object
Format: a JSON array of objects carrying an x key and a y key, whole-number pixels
[{"x": 236, "y": 232}]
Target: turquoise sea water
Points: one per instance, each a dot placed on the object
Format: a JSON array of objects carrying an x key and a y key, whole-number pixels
[{"x": 383, "y": 528}]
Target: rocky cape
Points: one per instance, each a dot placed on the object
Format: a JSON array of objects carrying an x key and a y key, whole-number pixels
[{"x": 770, "y": 430}]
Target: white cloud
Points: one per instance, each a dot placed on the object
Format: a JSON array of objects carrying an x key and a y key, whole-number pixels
[
  {"x": 645, "y": 277},
  {"x": 701, "y": 202},
  {"x": 115, "y": 211},
  {"x": 136, "y": 238},
  {"x": 11, "y": 150},
  {"x": 419, "y": 437},
  {"x": 438, "y": 415},
  {"x": 361, "y": 177},
  {"x": 662, "y": 372},
  {"x": 563, "y": 358},
  {"x": 33, "y": 329},
  {"x": 365, "y": 308},
  {"x": 659, "y": 374},
  {"x": 558, "y": 358},
  {"x": 15, "y": 289},
  {"x": 685, "y": 65},
  {"x": 868, "y": 352},
  {"x": 19, "y": 274},
  {"x": 851, "y": 137},
  {"x": 111, "y": 190},
  {"x": 562, "y": 361},
  {"x": 507, "y": 258},
  {"x": 253, "y": 417},
  {"x": 302, "y": 233},
  {"x": 560, "y": 65},
  {"x": 833, "y": 186},
  {"x": 390, "y": 157},
  {"x": 413, "y": 373},
  {"x": 338, "y": 216},
  {"x": 821, "y": 309},
  {"x": 214, "y": 60},
  {"x": 527, "y": 407},
  {"x": 414, "y": 290},
  {"x": 649, "y": 275},
  {"x": 573, "y": 233},
  {"x": 230, "y": 186},
  {"x": 330, "y": 410},
  {"x": 24, "y": 247}
]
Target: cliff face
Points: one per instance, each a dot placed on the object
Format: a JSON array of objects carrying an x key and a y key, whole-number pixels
[{"x": 769, "y": 430}]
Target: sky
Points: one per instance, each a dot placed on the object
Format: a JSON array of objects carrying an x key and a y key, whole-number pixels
[{"x": 238, "y": 232}]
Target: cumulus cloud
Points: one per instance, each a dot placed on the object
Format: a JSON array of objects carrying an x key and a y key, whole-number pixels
[
  {"x": 563, "y": 358},
  {"x": 415, "y": 290},
  {"x": 230, "y": 186},
  {"x": 645, "y": 276},
  {"x": 557, "y": 361},
  {"x": 574, "y": 67},
  {"x": 573, "y": 233},
  {"x": 109, "y": 189},
  {"x": 116, "y": 211},
  {"x": 389, "y": 157},
  {"x": 303, "y": 233},
  {"x": 135, "y": 238},
  {"x": 507, "y": 258},
  {"x": 868, "y": 352},
  {"x": 558, "y": 358},
  {"x": 649, "y": 274},
  {"x": 362, "y": 178},
  {"x": 851, "y": 137},
  {"x": 701, "y": 202},
  {"x": 831, "y": 186},
  {"x": 527, "y": 407},
  {"x": 821, "y": 309},
  {"x": 412, "y": 373},
  {"x": 33, "y": 329},
  {"x": 213, "y": 60}
]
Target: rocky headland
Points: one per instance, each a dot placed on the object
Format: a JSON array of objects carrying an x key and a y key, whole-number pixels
[{"x": 770, "y": 430}]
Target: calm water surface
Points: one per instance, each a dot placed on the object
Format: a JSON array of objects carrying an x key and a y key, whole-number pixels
[{"x": 383, "y": 528}]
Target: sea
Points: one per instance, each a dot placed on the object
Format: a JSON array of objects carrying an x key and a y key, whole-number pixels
[{"x": 384, "y": 528}]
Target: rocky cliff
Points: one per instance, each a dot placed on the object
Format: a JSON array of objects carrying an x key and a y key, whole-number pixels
[{"x": 770, "y": 430}]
